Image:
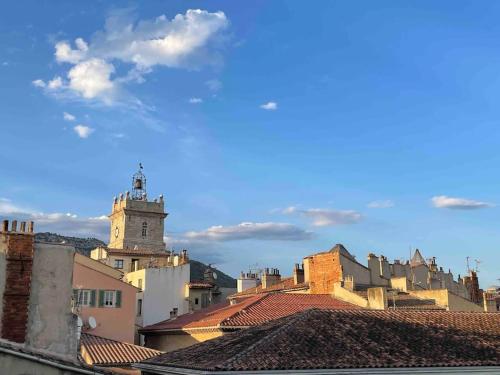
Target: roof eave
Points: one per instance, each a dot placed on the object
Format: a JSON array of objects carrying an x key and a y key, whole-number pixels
[{"x": 476, "y": 370}]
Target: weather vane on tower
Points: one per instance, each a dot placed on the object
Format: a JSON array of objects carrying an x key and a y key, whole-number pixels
[{"x": 139, "y": 185}]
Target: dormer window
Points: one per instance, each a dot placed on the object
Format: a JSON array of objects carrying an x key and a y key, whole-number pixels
[{"x": 144, "y": 229}]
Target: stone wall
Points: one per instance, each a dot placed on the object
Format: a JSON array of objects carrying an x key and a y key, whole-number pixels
[{"x": 52, "y": 325}]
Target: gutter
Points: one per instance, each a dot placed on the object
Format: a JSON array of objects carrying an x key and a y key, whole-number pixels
[
  {"x": 477, "y": 370},
  {"x": 33, "y": 358}
]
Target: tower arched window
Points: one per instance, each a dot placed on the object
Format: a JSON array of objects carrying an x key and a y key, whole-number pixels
[{"x": 144, "y": 229}]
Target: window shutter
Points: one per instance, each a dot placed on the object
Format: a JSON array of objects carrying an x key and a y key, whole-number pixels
[
  {"x": 101, "y": 298},
  {"x": 118, "y": 295},
  {"x": 92, "y": 298}
]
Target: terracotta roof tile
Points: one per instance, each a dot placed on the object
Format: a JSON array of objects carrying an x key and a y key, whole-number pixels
[
  {"x": 319, "y": 339},
  {"x": 251, "y": 311},
  {"x": 106, "y": 352},
  {"x": 138, "y": 252},
  {"x": 200, "y": 285}
]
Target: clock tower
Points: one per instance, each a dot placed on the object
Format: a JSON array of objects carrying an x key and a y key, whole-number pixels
[{"x": 135, "y": 221}]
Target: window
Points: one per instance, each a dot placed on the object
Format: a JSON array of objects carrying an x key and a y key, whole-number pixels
[
  {"x": 139, "y": 284},
  {"x": 144, "y": 229},
  {"x": 196, "y": 301},
  {"x": 119, "y": 264},
  {"x": 84, "y": 297},
  {"x": 109, "y": 298},
  {"x": 139, "y": 307}
]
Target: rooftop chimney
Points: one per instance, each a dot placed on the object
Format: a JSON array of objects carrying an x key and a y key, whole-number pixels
[
  {"x": 270, "y": 277},
  {"x": 17, "y": 287},
  {"x": 298, "y": 274}
]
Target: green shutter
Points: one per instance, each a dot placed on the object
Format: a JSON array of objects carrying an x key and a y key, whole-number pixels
[
  {"x": 118, "y": 302},
  {"x": 101, "y": 298},
  {"x": 92, "y": 298}
]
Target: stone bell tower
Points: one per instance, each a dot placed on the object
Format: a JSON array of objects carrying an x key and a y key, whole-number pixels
[{"x": 135, "y": 221}]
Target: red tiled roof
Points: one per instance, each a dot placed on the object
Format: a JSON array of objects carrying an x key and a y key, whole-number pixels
[
  {"x": 320, "y": 339},
  {"x": 284, "y": 284},
  {"x": 251, "y": 311},
  {"x": 138, "y": 252},
  {"x": 200, "y": 285},
  {"x": 106, "y": 352}
]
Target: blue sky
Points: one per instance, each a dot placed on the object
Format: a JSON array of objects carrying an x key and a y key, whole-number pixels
[{"x": 274, "y": 129}]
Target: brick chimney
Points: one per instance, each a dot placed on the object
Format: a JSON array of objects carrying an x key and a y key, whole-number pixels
[
  {"x": 298, "y": 274},
  {"x": 16, "y": 262},
  {"x": 270, "y": 277}
]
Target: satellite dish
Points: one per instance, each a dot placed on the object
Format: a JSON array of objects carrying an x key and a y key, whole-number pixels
[
  {"x": 215, "y": 276},
  {"x": 92, "y": 322}
]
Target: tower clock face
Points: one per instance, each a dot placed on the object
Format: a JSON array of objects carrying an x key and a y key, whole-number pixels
[{"x": 117, "y": 231}]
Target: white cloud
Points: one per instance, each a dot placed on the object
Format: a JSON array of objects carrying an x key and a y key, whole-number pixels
[
  {"x": 83, "y": 131},
  {"x": 55, "y": 84},
  {"x": 443, "y": 201},
  {"x": 38, "y": 83},
  {"x": 195, "y": 100},
  {"x": 68, "y": 116},
  {"x": 214, "y": 84},
  {"x": 61, "y": 223},
  {"x": 188, "y": 41},
  {"x": 326, "y": 217},
  {"x": 254, "y": 231},
  {"x": 270, "y": 106},
  {"x": 91, "y": 79},
  {"x": 64, "y": 52},
  {"x": 381, "y": 204}
]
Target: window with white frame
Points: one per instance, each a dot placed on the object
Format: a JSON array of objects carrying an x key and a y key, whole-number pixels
[
  {"x": 109, "y": 298},
  {"x": 84, "y": 297}
]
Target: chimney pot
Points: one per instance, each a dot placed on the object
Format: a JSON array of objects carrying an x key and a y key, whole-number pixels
[
  {"x": 14, "y": 226},
  {"x": 30, "y": 227},
  {"x": 23, "y": 226},
  {"x": 5, "y": 226}
]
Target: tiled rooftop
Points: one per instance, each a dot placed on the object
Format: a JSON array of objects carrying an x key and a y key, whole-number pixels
[
  {"x": 251, "y": 311},
  {"x": 138, "y": 252},
  {"x": 200, "y": 285},
  {"x": 321, "y": 339},
  {"x": 106, "y": 352},
  {"x": 284, "y": 284},
  {"x": 49, "y": 358}
]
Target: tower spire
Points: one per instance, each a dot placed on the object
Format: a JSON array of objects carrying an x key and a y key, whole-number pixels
[{"x": 139, "y": 185}]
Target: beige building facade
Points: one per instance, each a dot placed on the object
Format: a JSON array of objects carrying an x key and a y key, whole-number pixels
[{"x": 100, "y": 293}]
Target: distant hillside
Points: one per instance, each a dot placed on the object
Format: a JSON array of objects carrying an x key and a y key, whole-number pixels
[
  {"x": 85, "y": 245},
  {"x": 82, "y": 245},
  {"x": 223, "y": 280}
]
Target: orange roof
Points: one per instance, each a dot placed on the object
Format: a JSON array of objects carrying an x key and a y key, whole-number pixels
[
  {"x": 284, "y": 284},
  {"x": 251, "y": 311},
  {"x": 138, "y": 252},
  {"x": 200, "y": 285},
  {"x": 105, "y": 352}
]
